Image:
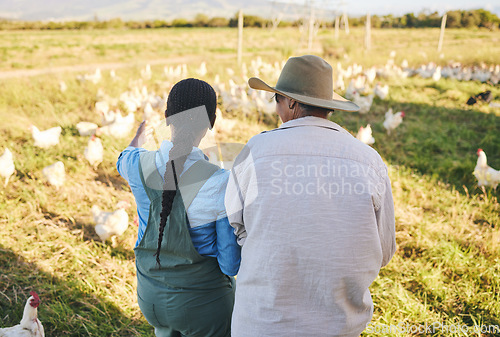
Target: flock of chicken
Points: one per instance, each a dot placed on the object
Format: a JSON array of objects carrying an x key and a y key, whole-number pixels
[
  {"x": 237, "y": 97},
  {"x": 454, "y": 71},
  {"x": 108, "y": 224}
]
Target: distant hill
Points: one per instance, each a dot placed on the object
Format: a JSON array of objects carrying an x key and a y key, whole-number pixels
[
  {"x": 127, "y": 9},
  {"x": 85, "y": 10}
]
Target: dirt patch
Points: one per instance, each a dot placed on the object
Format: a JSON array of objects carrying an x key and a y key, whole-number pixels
[{"x": 92, "y": 67}]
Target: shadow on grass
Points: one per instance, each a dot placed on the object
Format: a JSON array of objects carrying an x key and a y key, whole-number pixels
[
  {"x": 85, "y": 229},
  {"x": 66, "y": 308},
  {"x": 468, "y": 311},
  {"x": 86, "y": 232},
  {"x": 435, "y": 141},
  {"x": 115, "y": 181}
]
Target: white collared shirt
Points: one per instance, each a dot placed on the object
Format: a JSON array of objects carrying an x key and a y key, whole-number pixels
[{"x": 313, "y": 209}]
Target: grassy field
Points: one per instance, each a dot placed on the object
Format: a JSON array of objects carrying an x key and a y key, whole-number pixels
[
  {"x": 49, "y": 49},
  {"x": 446, "y": 268}
]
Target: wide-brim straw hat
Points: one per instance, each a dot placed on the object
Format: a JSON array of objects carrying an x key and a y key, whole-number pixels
[{"x": 307, "y": 79}]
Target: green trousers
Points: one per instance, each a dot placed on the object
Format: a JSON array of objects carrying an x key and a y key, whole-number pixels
[{"x": 187, "y": 295}]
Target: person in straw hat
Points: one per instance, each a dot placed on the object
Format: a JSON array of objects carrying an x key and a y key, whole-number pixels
[{"x": 313, "y": 211}]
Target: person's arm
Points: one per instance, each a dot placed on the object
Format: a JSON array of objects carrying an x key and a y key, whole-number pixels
[
  {"x": 140, "y": 135},
  {"x": 128, "y": 167},
  {"x": 236, "y": 192},
  {"x": 386, "y": 222},
  {"x": 234, "y": 201},
  {"x": 229, "y": 252},
  {"x": 128, "y": 158}
]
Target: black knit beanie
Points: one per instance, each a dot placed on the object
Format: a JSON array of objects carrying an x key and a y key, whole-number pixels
[{"x": 191, "y": 93}]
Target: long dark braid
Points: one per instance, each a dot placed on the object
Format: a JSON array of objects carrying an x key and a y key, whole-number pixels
[
  {"x": 186, "y": 94},
  {"x": 179, "y": 151}
]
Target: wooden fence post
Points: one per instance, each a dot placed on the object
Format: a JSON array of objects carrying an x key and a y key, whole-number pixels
[
  {"x": 240, "y": 35},
  {"x": 368, "y": 32},
  {"x": 346, "y": 23},
  {"x": 337, "y": 24},
  {"x": 311, "y": 29},
  {"x": 441, "y": 34}
]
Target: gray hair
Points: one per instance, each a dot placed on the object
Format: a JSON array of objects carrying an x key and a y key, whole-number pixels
[{"x": 308, "y": 109}]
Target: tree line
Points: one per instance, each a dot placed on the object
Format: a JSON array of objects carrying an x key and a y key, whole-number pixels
[{"x": 456, "y": 19}]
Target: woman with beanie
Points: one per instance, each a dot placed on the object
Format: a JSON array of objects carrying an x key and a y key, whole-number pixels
[{"x": 186, "y": 251}]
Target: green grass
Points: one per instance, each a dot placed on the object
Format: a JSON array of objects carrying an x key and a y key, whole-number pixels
[
  {"x": 446, "y": 268},
  {"x": 37, "y": 48},
  {"x": 440, "y": 133}
]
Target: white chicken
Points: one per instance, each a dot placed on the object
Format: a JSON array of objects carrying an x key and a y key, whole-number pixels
[
  {"x": 109, "y": 225},
  {"x": 148, "y": 111},
  {"x": 146, "y": 73},
  {"x": 47, "y": 138},
  {"x": 30, "y": 325},
  {"x": 62, "y": 86},
  {"x": 94, "y": 151},
  {"x": 101, "y": 107},
  {"x": 223, "y": 125},
  {"x": 264, "y": 102},
  {"x": 202, "y": 70},
  {"x": 392, "y": 121},
  {"x": 86, "y": 128},
  {"x": 381, "y": 90},
  {"x": 365, "y": 135},
  {"x": 364, "y": 102},
  {"x": 94, "y": 78},
  {"x": 109, "y": 117},
  {"x": 436, "y": 75},
  {"x": 371, "y": 74},
  {"x": 150, "y": 115},
  {"x": 485, "y": 174},
  {"x": 113, "y": 76},
  {"x": 55, "y": 174},
  {"x": 119, "y": 128},
  {"x": 339, "y": 83},
  {"x": 7, "y": 167}
]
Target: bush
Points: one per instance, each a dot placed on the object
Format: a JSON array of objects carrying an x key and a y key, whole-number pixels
[
  {"x": 454, "y": 19},
  {"x": 249, "y": 21},
  {"x": 218, "y": 22},
  {"x": 201, "y": 20},
  {"x": 470, "y": 19},
  {"x": 181, "y": 23}
]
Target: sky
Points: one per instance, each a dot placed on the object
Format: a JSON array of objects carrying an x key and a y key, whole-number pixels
[
  {"x": 399, "y": 7},
  {"x": 168, "y": 9}
]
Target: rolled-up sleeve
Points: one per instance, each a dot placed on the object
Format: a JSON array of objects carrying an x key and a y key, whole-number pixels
[
  {"x": 229, "y": 252},
  {"x": 128, "y": 167},
  {"x": 128, "y": 162}
]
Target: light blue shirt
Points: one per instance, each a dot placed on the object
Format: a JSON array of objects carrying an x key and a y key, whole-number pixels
[{"x": 210, "y": 230}]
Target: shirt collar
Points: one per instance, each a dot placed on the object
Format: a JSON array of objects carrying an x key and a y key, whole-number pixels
[{"x": 312, "y": 120}]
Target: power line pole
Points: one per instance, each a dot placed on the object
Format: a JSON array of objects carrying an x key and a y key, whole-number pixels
[
  {"x": 368, "y": 32},
  {"x": 441, "y": 34},
  {"x": 311, "y": 26},
  {"x": 337, "y": 24},
  {"x": 344, "y": 17},
  {"x": 240, "y": 35}
]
